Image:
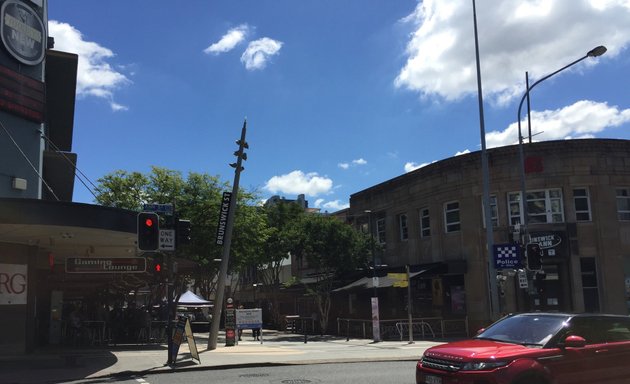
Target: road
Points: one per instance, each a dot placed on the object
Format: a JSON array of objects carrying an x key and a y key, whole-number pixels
[{"x": 398, "y": 372}]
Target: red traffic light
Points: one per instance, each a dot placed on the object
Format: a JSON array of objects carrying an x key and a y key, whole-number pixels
[
  {"x": 158, "y": 267},
  {"x": 148, "y": 222}
]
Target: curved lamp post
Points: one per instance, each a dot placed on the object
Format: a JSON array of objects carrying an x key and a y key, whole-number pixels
[{"x": 597, "y": 51}]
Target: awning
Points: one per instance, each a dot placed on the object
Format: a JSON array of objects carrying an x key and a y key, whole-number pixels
[
  {"x": 189, "y": 299},
  {"x": 383, "y": 282}
]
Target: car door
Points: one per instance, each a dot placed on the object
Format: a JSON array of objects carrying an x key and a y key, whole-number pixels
[
  {"x": 577, "y": 365},
  {"x": 615, "y": 352}
]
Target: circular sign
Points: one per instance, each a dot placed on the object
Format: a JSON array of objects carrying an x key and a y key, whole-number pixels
[{"x": 23, "y": 32}]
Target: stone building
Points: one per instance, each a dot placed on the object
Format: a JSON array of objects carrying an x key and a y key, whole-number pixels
[{"x": 578, "y": 203}]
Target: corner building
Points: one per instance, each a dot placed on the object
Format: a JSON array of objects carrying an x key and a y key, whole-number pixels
[{"x": 578, "y": 199}]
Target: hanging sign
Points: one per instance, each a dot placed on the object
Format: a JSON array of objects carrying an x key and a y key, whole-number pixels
[{"x": 23, "y": 32}]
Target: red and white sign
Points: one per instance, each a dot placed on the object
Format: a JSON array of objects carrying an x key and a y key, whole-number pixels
[{"x": 13, "y": 284}]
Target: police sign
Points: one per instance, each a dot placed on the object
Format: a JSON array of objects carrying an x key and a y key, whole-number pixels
[{"x": 507, "y": 256}]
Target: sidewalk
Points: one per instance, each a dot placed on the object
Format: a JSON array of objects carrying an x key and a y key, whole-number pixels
[{"x": 63, "y": 364}]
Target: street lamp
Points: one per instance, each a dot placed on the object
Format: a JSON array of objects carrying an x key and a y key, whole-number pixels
[{"x": 595, "y": 52}]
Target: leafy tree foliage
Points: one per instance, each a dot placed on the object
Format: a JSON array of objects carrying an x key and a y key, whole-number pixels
[
  {"x": 331, "y": 248},
  {"x": 196, "y": 198}
]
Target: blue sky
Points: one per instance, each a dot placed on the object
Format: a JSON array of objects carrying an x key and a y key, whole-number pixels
[{"x": 339, "y": 95}]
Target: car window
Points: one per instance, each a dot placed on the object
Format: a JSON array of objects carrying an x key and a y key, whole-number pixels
[{"x": 599, "y": 330}]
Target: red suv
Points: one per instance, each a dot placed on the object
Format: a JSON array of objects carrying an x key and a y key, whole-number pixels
[{"x": 535, "y": 348}]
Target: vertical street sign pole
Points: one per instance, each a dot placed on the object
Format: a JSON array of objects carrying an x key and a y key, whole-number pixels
[
  {"x": 409, "y": 303},
  {"x": 218, "y": 301},
  {"x": 170, "y": 285}
]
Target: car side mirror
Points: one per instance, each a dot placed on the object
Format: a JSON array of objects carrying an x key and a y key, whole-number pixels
[{"x": 574, "y": 342}]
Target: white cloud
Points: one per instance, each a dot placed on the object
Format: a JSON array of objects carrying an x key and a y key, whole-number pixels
[
  {"x": 231, "y": 39},
  {"x": 515, "y": 36},
  {"x": 465, "y": 151},
  {"x": 95, "y": 76},
  {"x": 411, "y": 166},
  {"x": 298, "y": 182},
  {"x": 335, "y": 205},
  {"x": 259, "y": 51},
  {"x": 356, "y": 162},
  {"x": 580, "y": 120}
]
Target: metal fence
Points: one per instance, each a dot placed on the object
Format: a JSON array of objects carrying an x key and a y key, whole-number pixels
[{"x": 398, "y": 329}]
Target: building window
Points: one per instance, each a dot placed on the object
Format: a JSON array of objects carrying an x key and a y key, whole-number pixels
[
  {"x": 582, "y": 204},
  {"x": 380, "y": 231},
  {"x": 451, "y": 216},
  {"x": 494, "y": 212},
  {"x": 589, "y": 284},
  {"x": 544, "y": 206},
  {"x": 623, "y": 204},
  {"x": 425, "y": 223},
  {"x": 402, "y": 224}
]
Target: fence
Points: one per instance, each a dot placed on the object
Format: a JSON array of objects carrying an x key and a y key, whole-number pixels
[{"x": 421, "y": 328}]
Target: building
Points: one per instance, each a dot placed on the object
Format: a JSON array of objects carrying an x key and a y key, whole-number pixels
[
  {"x": 578, "y": 199},
  {"x": 48, "y": 244}
]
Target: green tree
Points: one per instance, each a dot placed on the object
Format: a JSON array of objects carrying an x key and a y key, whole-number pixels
[
  {"x": 331, "y": 248},
  {"x": 282, "y": 236},
  {"x": 196, "y": 198}
]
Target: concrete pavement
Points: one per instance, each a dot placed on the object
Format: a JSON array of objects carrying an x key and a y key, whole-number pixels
[{"x": 56, "y": 365}]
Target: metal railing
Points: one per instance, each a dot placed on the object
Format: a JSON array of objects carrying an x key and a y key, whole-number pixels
[{"x": 391, "y": 329}]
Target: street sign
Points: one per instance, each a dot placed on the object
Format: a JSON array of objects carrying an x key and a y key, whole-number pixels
[
  {"x": 522, "y": 279},
  {"x": 167, "y": 240},
  {"x": 166, "y": 209},
  {"x": 223, "y": 217}
]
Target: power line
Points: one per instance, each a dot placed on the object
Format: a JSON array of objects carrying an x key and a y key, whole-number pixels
[{"x": 29, "y": 161}]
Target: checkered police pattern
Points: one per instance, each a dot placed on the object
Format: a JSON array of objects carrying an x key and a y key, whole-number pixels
[{"x": 507, "y": 256}]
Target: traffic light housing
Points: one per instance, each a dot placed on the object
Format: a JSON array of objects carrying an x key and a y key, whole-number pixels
[
  {"x": 148, "y": 231},
  {"x": 534, "y": 256},
  {"x": 182, "y": 232}
]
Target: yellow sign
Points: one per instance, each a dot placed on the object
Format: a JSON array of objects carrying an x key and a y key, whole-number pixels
[
  {"x": 401, "y": 284},
  {"x": 397, "y": 276}
]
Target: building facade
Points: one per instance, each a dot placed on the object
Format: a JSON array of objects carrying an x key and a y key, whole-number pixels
[{"x": 578, "y": 203}]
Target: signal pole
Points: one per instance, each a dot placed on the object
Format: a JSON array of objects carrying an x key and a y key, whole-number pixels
[{"x": 218, "y": 300}]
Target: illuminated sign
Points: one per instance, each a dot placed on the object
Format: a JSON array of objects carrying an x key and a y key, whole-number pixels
[
  {"x": 21, "y": 95},
  {"x": 23, "y": 32},
  {"x": 106, "y": 265}
]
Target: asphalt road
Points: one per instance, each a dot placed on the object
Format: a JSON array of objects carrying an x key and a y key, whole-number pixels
[{"x": 398, "y": 372}]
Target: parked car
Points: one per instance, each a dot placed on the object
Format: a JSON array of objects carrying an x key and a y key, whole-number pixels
[{"x": 535, "y": 348}]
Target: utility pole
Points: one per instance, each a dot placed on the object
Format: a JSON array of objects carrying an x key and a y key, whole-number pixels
[{"x": 218, "y": 300}]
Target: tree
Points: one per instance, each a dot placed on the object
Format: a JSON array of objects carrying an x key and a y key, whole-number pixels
[
  {"x": 282, "y": 236},
  {"x": 331, "y": 248},
  {"x": 197, "y": 199}
]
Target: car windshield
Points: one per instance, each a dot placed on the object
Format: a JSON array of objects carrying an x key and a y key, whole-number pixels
[{"x": 533, "y": 330}]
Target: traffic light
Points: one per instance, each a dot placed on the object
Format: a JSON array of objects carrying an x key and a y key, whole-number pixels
[
  {"x": 148, "y": 231},
  {"x": 158, "y": 264},
  {"x": 182, "y": 232},
  {"x": 534, "y": 257}
]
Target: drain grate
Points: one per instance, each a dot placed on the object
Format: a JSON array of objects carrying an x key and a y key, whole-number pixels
[
  {"x": 296, "y": 381},
  {"x": 254, "y": 375}
]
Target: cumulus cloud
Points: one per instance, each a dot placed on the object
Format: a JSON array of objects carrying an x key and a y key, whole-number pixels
[
  {"x": 441, "y": 57},
  {"x": 356, "y": 162},
  {"x": 259, "y": 52},
  {"x": 231, "y": 39},
  {"x": 332, "y": 206},
  {"x": 411, "y": 166},
  {"x": 298, "y": 182},
  {"x": 582, "y": 119},
  {"x": 95, "y": 76},
  {"x": 465, "y": 151}
]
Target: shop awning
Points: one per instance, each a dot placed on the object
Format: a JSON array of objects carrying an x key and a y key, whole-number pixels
[{"x": 383, "y": 282}]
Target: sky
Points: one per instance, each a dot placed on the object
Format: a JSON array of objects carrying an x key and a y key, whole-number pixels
[{"x": 338, "y": 95}]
